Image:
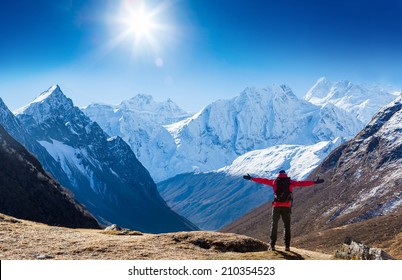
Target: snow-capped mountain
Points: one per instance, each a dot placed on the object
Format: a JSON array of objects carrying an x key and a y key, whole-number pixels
[
  {"x": 139, "y": 121},
  {"x": 256, "y": 119},
  {"x": 221, "y": 132},
  {"x": 168, "y": 144},
  {"x": 362, "y": 101},
  {"x": 212, "y": 200},
  {"x": 372, "y": 163},
  {"x": 103, "y": 171}
]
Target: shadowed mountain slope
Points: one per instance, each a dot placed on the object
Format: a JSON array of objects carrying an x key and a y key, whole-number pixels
[{"x": 27, "y": 192}]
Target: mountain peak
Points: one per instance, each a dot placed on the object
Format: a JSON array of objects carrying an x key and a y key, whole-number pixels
[
  {"x": 273, "y": 91},
  {"x": 319, "y": 90},
  {"x": 322, "y": 80},
  {"x": 9, "y": 122},
  {"x": 167, "y": 111},
  {"x": 139, "y": 101},
  {"x": 45, "y": 103},
  {"x": 2, "y": 104},
  {"x": 53, "y": 92}
]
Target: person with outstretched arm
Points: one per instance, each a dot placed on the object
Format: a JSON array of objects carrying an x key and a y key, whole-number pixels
[{"x": 281, "y": 206}]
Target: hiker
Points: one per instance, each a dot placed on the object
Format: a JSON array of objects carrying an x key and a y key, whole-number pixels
[{"x": 281, "y": 206}]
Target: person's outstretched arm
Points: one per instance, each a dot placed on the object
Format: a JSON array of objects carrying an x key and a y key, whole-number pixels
[
  {"x": 306, "y": 183},
  {"x": 264, "y": 181}
]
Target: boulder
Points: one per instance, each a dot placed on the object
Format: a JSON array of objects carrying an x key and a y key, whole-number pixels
[{"x": 355, "y": 250}]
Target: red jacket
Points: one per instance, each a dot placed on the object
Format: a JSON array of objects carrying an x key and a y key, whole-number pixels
[{"x": 272, "y": 184}]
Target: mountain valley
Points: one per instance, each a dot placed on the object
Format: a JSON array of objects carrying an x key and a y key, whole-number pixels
[{"x": 110, "y": 156}]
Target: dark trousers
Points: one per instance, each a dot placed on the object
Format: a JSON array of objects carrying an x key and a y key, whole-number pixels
[{"x": 278, "y": 212}]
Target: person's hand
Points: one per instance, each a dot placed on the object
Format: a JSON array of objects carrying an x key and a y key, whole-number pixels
[
  {"x": 247, "y": 177},
  {"x": 319, "y": 181}
]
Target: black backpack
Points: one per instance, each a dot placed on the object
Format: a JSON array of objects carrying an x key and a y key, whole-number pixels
[{"x": 283, "y": 193}]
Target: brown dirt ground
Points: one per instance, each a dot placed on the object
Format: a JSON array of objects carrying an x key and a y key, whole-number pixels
[{"x": 25, "y": 240}]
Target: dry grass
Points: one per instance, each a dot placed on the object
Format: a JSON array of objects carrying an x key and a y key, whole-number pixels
[
  {"x": 123, "y": 232},
  {"x": 20, "y": 240},
  {"x": 381, "y": 232}
]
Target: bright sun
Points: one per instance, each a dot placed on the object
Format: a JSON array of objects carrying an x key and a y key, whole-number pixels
[
  {"x": 140, "y": 23},
  {"x": 141, "y": 26}
]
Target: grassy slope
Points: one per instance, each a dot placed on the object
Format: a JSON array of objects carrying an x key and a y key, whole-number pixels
[{"x": 382, "y": 232}]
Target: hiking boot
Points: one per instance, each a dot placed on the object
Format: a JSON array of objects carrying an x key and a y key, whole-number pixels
[
  {"x": 287, "y": 249},
  {"x": 272, "y": 247}
]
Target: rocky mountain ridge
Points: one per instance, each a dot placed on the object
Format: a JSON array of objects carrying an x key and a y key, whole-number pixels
[
  {"x": 371, "y": 162},
  {"x": 103, "y": 172}
]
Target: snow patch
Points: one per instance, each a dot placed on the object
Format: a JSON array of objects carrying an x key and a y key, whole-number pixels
[
  {"x": 67, "y": 156},
  {"x": 110, "y": 139},
  {"x": 298, "y": 160},
  {"x": 42, "y": 97}
]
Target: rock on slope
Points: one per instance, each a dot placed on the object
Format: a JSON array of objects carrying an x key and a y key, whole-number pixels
[{"x": 27, "y": 192}]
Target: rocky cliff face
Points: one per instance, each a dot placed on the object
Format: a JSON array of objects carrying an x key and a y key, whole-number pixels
[{"x": 27, "y": 192}]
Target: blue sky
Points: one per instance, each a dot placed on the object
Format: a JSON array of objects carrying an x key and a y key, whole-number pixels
[{"x": 197, "y": 51}]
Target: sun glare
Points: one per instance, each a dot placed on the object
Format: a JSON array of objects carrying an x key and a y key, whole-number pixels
[{"x": 140, "y": 25}]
